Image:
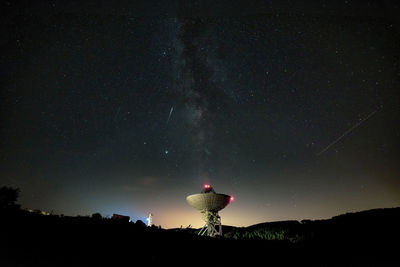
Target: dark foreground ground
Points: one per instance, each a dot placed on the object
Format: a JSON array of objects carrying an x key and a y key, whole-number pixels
[{"x": 367, "y": 238}]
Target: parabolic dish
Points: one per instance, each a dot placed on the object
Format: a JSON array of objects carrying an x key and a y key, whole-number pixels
[{"x": 208, "y": 201}]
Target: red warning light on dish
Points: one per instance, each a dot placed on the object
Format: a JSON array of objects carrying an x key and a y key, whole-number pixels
[
  {"x": 207, "y": 186},
  {"x": 231, "y": 199}
]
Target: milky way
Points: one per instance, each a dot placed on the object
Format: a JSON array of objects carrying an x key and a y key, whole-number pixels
[{"x": 199, "y": 93}]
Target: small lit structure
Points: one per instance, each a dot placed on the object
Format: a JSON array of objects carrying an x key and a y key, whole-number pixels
[
  {"x": 208, "y": 202},
  {"x": 150, "y": 220},
  {"x": 121, "y": 218}
]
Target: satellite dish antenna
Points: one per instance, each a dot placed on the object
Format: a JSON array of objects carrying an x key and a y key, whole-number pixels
[{"x": 209, "y": 203}]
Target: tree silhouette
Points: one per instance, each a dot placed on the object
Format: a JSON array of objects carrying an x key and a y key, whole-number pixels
[
  {"x": 8, "y": 197},
  {"x": 140, "y": 223},
  {"x": 97, "y": 216}
]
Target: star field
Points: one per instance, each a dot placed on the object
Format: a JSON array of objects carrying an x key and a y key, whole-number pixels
[{"x": 113, "y": 112}]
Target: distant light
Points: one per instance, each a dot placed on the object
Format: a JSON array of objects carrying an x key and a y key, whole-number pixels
[
  {"x": 231, "y": 199},
  {"x": 206, "y": 186}
]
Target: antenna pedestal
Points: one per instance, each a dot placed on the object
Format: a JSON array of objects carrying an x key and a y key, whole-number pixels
[{"x": 213, "y": 226}]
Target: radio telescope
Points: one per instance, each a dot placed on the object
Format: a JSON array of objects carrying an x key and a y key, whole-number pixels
[{"x": 209, "y": 203}]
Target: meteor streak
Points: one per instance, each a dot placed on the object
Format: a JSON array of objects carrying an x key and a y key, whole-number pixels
[
  {"x": 347, "y": 132},
  {"x": 170, "y": 113}
]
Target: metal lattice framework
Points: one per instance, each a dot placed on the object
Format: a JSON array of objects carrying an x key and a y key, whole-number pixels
[{"x": 213, "y": 226}]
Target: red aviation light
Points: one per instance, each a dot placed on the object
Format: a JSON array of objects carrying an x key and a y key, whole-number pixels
[
  {"x": 207, "y": 186},
  {"x": 231, "y": 199}
]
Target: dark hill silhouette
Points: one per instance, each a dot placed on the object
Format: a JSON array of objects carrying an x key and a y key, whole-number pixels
[
  {"x": 51, "y": 240},
  {"x": 353, "y": 239},
  {"x": 350, "y": 225}
]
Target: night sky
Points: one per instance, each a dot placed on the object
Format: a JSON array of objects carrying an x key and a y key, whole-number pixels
[{"x": 293, "y": 108}]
